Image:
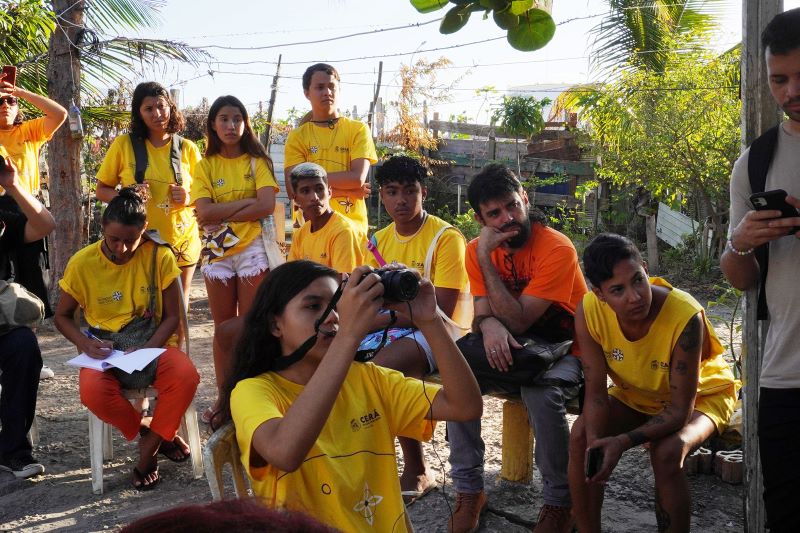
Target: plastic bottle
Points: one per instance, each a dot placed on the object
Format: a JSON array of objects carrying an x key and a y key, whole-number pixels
[
  {"x": 75, "y": 122},
  {"x": 268, "y": 236}
]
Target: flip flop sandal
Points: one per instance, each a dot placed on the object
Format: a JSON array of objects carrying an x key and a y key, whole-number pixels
[
  {"x": 169, "y": 448},
  {"x": 410, "y": 496},
  {"x": 138, "y": 480},
  {"x": 208, "y": 415}
]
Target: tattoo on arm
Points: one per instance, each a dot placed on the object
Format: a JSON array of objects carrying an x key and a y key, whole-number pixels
[
  {"x": 681, "y": 367},
  {"x": 690, "y": 338},
  {"x": 637, "y": 437}
]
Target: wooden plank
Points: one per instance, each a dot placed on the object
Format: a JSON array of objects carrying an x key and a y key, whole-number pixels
[
  {"x": 479, "y": 130},
  {"x": 759, "y": 113},
  {"x": 529, "y": 164}
]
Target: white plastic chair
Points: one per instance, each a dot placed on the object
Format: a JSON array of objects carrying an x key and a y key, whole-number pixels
[
  {"x": 101, "y": 446},
  {"x": 222, "y": 448}
]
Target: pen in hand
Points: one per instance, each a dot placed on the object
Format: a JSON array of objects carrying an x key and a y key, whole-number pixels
[{"x": 94, "y": 338}]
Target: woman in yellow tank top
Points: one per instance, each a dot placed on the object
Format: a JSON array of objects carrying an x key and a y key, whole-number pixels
[{"x": 672, "y": 387}]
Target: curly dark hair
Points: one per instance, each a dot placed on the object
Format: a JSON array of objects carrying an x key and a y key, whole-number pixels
[
  {"x": 401, "y": 169},
  {"x": 258, "y": 347},
  {"x": 150, "y": 88},
  {"x": 603, "y": 253},
  {"x": 318, "y": 67},
  {"x": 782, "y": 34},
  {"x": 249, "y": 141},
  {"x": 496, "y": 181},
  {"x": 127, "y": 208}
]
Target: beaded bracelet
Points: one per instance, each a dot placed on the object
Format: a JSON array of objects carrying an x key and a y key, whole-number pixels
[{"x": 738, "y": 252}]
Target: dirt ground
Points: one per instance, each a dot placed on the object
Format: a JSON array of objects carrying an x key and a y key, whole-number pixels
[{"x": 62, "y": 498}]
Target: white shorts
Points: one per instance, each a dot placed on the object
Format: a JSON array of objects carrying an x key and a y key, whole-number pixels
[{"x": 248, "y": 263}]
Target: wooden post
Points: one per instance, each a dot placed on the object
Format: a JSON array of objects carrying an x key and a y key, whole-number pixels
[
  {"x": 759, "y": 113},
  {"x": 371, "y": 117},
  {"x": 652, "y": 244},
  {"x": 271, "y": 107},
  {"x": 64, "y": 152}
]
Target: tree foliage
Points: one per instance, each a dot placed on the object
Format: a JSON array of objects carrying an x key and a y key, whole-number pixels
[
  {"x": 675, "y": 133},
  {"x": 521, "y": 116},
  {"x": 527, "y": 23}
]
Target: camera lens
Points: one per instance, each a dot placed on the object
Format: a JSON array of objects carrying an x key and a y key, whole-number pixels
[{"x": 399, "y": 285}]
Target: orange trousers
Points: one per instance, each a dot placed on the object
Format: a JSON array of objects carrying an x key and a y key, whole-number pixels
[{"x": 176, "y": 382}]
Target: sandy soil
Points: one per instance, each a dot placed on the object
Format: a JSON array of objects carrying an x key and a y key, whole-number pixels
[{"x": 62, "y": 499}]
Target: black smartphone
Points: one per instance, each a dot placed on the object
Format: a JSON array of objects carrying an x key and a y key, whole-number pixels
[
  {"x": 593, "y": 462},
  {"x": 776, "y": 200},
  {"x": 10, "y": 74}
]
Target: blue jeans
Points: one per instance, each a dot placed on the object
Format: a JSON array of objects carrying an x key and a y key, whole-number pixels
[{"x": 546, "y": 404}]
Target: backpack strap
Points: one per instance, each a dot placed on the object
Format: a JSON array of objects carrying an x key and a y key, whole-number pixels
[
  {"x": 140, "y": 154},
  {"x": 759, "y": 160},
  {"x": 175, "y": 158}
]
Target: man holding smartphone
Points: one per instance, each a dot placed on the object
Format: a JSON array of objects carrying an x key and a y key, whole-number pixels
[{"x": 779, "y": 403}]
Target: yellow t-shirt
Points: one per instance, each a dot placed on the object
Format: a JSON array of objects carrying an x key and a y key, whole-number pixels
[
  {"x": 349, "y": 477},
  {"x": 112, "y": 295},
  {"x": 335, "y": 245},
  {"x": 447, "y": 265},
  {"x": 226, "y": 180},
  {"x": 176, "y": 225},
  {"x": 640, "y": 369},
  {"x": 22, "y": 143},
  {"x": 334, "y": 150}
]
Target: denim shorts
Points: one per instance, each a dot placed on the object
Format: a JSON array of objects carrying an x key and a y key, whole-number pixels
[{"x": 248, "y": 263}]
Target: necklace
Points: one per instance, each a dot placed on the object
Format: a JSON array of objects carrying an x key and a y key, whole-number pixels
[
  {"x": 317, "y": 145},
  {"x": 108, "y": 253},
  {"x": 331, "y": 122},
  {"x": 411, "y": 237}
]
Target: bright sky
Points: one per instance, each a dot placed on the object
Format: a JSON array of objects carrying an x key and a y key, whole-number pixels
[{"x": 247, "y": 72}]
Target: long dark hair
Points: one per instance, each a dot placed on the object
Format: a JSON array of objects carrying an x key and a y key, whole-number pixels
[
  {"x": 249, "y": 142},
  {"x": 258, "y": 347},
  {"x": 127, "y": 208},
  {"x": 150, "y": 88}
]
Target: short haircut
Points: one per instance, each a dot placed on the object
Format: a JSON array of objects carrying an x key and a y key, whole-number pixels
[
  {"x": 401, "y": 169},
  {"x": 603, "y": 253},
  {"x": 318, "y": 67},
  {"x": 307, "y": 171},
  {"x": 493, "y": 182},
  {"x": 782, "y": 34}
]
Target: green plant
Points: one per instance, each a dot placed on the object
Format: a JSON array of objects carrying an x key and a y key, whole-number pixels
[
  {"x": 521, "y": 117},
  {"x": 528, "y": 23},
  {"x": 465, "y": 222},
  {"x": 730, "y": 298}
]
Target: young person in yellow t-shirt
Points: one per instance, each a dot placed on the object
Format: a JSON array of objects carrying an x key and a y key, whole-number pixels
[
  {"x": 110, "y": 280},
  {"x": 22, "y": 138},
  {"x": 156, "y": 119},
  {"x": 327, "y": 237},
  {"x": 315, "y": 428},
  {"x": 672, "y": 386},
  {"x": 234, "y": 187},
  {"x": 408, "y": 240},
  {"x": 343, "y": 147}
]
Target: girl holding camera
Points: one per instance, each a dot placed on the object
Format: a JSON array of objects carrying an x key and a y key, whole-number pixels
[{"x": 316, "y": 432}]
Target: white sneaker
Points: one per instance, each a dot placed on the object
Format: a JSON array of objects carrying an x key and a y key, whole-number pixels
[{"x": 46, "y": 373}]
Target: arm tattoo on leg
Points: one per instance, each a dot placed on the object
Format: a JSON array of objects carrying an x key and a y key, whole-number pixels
[{"x": 690, "y": 338}]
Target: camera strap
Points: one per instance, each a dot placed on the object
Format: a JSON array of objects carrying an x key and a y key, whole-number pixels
[{"x": 283, "y": 363}]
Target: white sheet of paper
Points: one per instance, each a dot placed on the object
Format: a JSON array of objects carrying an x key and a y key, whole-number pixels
[{"x": 128, "y": 362}]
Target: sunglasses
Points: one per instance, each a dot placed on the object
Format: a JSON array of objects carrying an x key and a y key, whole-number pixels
[{"x": 10, "y": 100}]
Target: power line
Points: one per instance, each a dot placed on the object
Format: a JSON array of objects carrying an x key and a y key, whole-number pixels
[{"x": 327, "y": 40}]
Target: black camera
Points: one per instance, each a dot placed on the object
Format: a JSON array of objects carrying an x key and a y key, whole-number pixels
[{"x": 399, "y": 285}]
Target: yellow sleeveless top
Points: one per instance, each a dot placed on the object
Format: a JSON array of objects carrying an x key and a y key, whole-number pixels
[{"x": 641, "y": 368}]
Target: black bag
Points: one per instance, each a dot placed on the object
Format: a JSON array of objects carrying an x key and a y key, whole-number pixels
[
  {"x": 531, "y": 361},
  {"x": 136, "y": 333}
]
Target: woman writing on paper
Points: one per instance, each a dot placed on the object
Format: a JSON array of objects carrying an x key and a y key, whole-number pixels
[{"x": 126, "y": 287}]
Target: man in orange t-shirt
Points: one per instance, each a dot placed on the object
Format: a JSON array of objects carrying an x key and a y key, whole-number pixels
[{"x": 525, "y": 279}]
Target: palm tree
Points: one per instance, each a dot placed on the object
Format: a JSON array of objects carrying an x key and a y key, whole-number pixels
[{"x": 67, "y": 49}]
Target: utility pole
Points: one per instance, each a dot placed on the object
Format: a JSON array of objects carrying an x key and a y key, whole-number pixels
[
  {"x": 371, "y": 116},
  {"x": 64, "y": 152},
  {"x": 759, "y": 113},
  {"x": 272, "y": 97}
]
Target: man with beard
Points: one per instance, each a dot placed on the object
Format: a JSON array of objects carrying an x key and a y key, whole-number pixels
[
  {"x": 525, "y": 279},
  {"x": 771, "y": 163}
]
